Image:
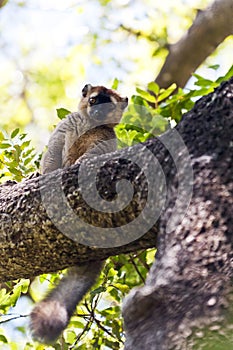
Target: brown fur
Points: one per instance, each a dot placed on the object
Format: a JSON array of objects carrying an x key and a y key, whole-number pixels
[{"x": 88, "y": 141}]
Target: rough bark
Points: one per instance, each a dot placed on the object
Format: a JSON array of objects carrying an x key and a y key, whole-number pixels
[
  {"x": 34, "y": 242},
  {"x": 208, "y": 30},
  {"x": 186, "y": 302}
]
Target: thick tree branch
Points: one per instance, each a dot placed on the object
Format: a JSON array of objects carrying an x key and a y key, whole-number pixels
[
  {"x": 32, "y": 242},
  {"x": 208, "y": 30},
  {"x": 186, "y": 302}
]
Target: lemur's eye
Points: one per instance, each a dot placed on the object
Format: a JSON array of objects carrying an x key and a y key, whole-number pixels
[{"x": 92, "y": 100}]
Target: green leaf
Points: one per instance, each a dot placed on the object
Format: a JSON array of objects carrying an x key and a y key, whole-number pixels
[
  {"x": 143, "y": 137},
  {"x": 110, "y": 344},
  {"x": 62, "y": 113},
  {"x": 150, "y": 256},
  {"x": 24, "y": 284},
  {"x": 115, "y": 84},
  {"x": 12, "y": 164},
  {"x": 14, "y": 133},
  {"x": 98, "y": 290},
  {"x": 112, "y": 272},
  {"x": 15, "y": 172},
  {"x": 154, "y": 87},
  {"x": 124, "y": 288},
  {"x": 3, "y": 296},
  {"x": 22, "y": 136},
  {"x": 27, "y": 161},
  {"x": 202, "y": 81},
  {"x": 27, "y": 152},
  {"x": 1, "y": 136},
  {"x": 159, "y": 123},
  {"x": 214, "y": 66},
  {"x": 3, "y": 339},
  {"x": 164, "y": 94},
  {"x": 146, "y": 95},
  {"x": 21, "y": 329},
  {"x": 16, "y": 153},
  {"x": 138, "y": 100},
  {"x": 116, "y": 328},
  {"x": 227, "y": 76},
  {"x": 70, "y": 336},
  {"x": 4, "y": 145},
  {"x": 15, "y": 296},
  {"x": 77, "y": 324},
  {"x": 25, "y": 144},
  {"x": 132, "y": 135}
]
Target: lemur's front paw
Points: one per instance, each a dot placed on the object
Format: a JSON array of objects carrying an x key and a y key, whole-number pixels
[{"x": 33, "y": 175}]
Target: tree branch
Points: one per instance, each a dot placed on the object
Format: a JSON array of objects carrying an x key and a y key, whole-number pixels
[
  {"x": 208, "y": 30},
  {"x": 33, "y": 241},
  {"x": 3, "y": 3},
  {"x": 46, "y": 224}
]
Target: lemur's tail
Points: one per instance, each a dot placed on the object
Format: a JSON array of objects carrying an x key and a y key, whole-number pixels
[{"x": 52, "y": 315}]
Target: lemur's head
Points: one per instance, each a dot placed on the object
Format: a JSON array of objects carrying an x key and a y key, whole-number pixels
[{"x": 102, "y": 105}]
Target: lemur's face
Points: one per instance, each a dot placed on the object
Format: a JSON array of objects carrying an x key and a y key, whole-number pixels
[{"x": 102, "y": 105}]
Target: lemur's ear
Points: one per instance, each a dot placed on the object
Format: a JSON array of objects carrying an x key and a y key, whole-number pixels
[{"x": 86, "y": 89}]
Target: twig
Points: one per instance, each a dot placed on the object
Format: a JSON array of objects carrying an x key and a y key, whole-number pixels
[{"x": 136, "y": 268}]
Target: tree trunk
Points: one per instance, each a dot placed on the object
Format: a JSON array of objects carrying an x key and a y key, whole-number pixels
[
  {"x": 186, "y": 302},
  {"x": 185, "y": 179},
  {"x": 209, "y": 29}
]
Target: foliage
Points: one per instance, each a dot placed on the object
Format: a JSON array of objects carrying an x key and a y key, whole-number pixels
[
  {"x": 43, "y": 63},
  {"x": 151, "y": 114},
  {"x": 62, "y": 112},
  {"x": 97, "y": 322},
  {"x": 9, "y": 294},
  {"x": 17, "y": 158}
]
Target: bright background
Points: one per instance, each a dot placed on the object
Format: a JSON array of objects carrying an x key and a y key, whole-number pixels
[{"x": 50, "y": 48}]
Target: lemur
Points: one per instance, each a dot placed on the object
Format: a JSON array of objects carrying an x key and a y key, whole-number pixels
[{"x": 76, "y": 137}]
